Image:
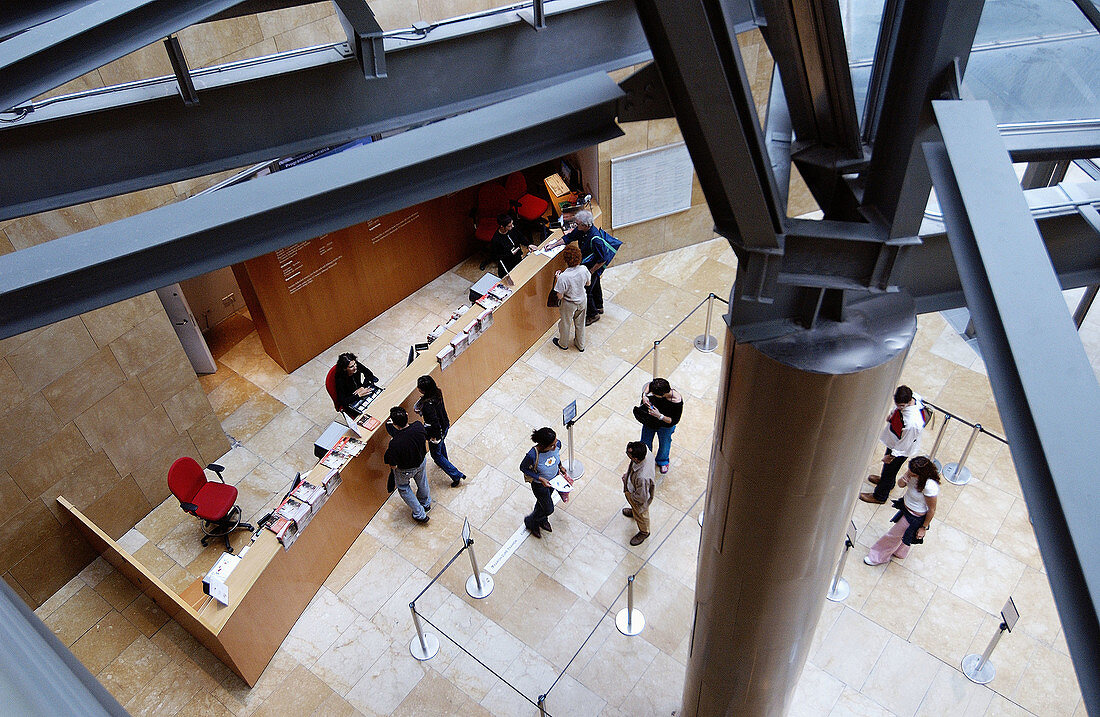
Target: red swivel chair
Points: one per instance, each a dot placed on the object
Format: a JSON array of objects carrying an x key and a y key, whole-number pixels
[
  {"x": 330, "y": 386},
  {"x": 213, "y": 503},
  {"x": 492, "y": 201},
  {"x": 528, "y": 206}
]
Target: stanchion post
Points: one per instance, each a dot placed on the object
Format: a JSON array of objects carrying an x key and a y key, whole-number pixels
[
  {"x": 630, "y": 621},
  {"x": 542, "y": 705},
  {"x": 939, "y": 438},
  {"x": 479, "y": 585},
  {"x": 839, "y": 588},
  {"x": 958, "y": 473},
  {"x": 656, "y": 350},
  {"x": 978, "y": 668},
  {"x": 425, "y": 645},
  {"x": 707, "y": 343},
  {"x": 576, "y": 468}
]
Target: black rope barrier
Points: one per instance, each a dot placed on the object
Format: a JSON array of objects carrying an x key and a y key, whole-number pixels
[
  {"x": 440, "y": 573},
  {"x": 611, "y": 604},
  {"x": 960, "y": 419},
  {"x": 474, "y": 657},
  {"x": 643, "y": 358}
]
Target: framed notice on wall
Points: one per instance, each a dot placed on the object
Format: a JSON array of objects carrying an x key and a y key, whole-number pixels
[{"x": 650, "y": 184}]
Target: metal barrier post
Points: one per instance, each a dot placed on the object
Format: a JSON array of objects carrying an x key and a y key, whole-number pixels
[
  {"x": 630, "y": 621},
  {"x": 978, "y": 668},
  {"x": 839, "y": 588},
  {"x": 656, "y": 348},
  {"x": 939, "y": 437},
  {"x": 576, "y": 468},
  {"x": 542, "y": 705},
  {"x": 958, "y": 473},
  {"x": 707, "y": 343},
  {"x": 479, "y": 585},
  {"x": 425, "y": 645}
]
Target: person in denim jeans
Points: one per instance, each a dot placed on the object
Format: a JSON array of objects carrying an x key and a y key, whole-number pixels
[
  {"x": 407, "y": 456},
  {"x": 666, "y": 407},
  {"x": 436, "y": 424}
]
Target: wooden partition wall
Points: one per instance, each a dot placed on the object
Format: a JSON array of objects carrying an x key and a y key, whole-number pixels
[{"x": 306, "y": 297}]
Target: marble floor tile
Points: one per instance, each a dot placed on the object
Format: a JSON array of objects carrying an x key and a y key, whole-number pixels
[
  {"x": 280, "y": 433},
  {"x": 617, "y": 667},
  {"x": 947, "y": 627},
  {"x": 898, "y": 600},
  {"x": 351, "y": 654},
  {"x": 851, "y": 649},
  {"x": 128, "y": 674},
  {"x": 854, "y": 704},
  {"x": 901, "y": 677},
  {"x": 951, "y": 693},
  {"x": 325, "y": 619},
  {"x": 589, "y": 564},
  {"x": 988, "y": 578},
  {"x": 77, "y": 615},
  {"x": 376, "y": 581},
  {"x": 816, "y": 693},
  {"x": 1048, "y": 686}
]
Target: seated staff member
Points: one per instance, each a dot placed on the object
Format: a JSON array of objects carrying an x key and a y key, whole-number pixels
[
  {"x": 507, "y": 244},
  {"x": 353, "y": 381}
]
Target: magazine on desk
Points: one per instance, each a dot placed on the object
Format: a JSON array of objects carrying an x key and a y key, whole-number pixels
[{"x": 345, "y": 449}]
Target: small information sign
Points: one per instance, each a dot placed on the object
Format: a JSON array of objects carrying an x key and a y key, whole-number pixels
[{"x": 569, "y": 413}]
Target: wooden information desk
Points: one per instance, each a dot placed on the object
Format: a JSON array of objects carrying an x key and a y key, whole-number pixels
[{"x": 270, "y": 588}]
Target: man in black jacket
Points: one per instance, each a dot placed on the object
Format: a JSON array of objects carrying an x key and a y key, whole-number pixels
[{"x": 407, "y": 455}]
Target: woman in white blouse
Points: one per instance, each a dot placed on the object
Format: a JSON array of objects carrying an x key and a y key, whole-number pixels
[{"x": 915, "y": 510}]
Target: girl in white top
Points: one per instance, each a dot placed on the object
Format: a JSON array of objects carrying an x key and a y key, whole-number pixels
[{"x": 912, "y": 521}]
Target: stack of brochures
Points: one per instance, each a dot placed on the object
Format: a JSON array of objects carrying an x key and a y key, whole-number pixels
[{"x": 345, "y": 449}]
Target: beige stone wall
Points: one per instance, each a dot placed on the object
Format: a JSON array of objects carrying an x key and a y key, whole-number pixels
[{"x": 94, "y": 408}]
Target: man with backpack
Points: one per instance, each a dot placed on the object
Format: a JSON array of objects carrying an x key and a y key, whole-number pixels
[
  {"x": 901, "y": 436},
  {"x": 597, "y": 250}
]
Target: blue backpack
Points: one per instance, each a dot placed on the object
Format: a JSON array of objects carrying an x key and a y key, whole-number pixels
[{"x": 604, "y": 246}]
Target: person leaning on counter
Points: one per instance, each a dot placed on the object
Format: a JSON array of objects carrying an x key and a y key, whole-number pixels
[
  {"x": 507, "y": 244},
  {"x": 582, "y": 233},
  {"x": 353, "y": 381}
]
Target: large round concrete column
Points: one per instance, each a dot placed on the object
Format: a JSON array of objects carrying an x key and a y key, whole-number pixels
[{"x": 797, "y": 418}]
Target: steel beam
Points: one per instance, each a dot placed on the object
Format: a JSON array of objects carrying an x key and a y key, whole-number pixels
[
  {"x": 1046, "y": 392},
  {"x": 256, "y": 111},
  {"x": 695, "y": 49},
  {"x": 364, "y": 36},
  {"x": 929, "y": 36},
  {"x": 46, "y": 283},
  {"x": 41, "y": 676},
  {"x": 806, "y": 40},
  {"x": 77, "y": 42},
  {"x": 1051, "y": 141},
  {"x": 17, "y": 17}
]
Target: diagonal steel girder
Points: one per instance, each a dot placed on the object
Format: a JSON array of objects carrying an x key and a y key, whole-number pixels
[
  {"x": 67, "y": 276},
  {"x": 1046, "y": 392},
  {"x": 695, "y": 49},
  {"x": 66, "y": 47},
  {"x": 255, "y": 111},
  {"x": 915, "y": 62},
  {"x": 807, "y": 41}
]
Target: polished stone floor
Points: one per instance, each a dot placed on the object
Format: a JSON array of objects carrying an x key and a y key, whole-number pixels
[{"x": 893, "y": 647}]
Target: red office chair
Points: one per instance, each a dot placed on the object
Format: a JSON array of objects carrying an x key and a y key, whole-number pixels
[
  {"x": 492, "y": 201},
  {"x": 330, "y": 386},
  {"x": 528, "y": 206},
  {"x": 213, "y": 503}
]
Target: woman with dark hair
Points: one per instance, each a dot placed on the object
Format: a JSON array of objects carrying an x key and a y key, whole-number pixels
[
  {"x": 915, "y": 511},
  {"x": 539, "y": 465},
  {"x": 353, "y": 381},
  {"x": 436, "y": 424},
  {"x": 664, "y": 407}
]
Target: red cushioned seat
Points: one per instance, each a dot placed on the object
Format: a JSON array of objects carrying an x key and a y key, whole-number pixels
[
  {"x": 187, "y": 481},
  {"x": 214, "y": 500},
  {"x": 528, "y": 206}
]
